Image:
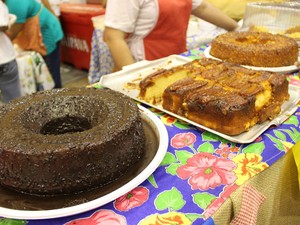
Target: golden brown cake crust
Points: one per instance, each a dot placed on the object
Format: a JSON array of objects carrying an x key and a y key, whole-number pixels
[
  {"x": 222, "y": 96},
  {"x": 260, "y": 49}
]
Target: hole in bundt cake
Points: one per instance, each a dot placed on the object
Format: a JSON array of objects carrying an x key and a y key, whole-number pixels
[
  {"x": 67, "y": 124},
  {"x": 64, "y": 115}
]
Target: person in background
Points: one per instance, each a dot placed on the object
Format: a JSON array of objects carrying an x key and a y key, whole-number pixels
[
  {"x": 9, "y": 76},
  {"x": 51, "y": 30},
  {"x": 50, "y": 6},
  {"x": 150, "y": 29}
]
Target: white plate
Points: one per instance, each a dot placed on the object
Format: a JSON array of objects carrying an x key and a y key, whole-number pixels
[
  {"x": 162, "y": 137},
  {"x": 136, "y": 72},
  {"x": 284, "y": 69}
]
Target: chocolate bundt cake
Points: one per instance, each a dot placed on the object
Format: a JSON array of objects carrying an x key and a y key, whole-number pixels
[
  {"x": 260, "y": 49},
  {"x": 67, "y": 141},
  {"x": 219, "y": 95}
]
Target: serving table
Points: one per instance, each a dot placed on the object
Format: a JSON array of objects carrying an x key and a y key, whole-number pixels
[{"x": 198, "y": 173}]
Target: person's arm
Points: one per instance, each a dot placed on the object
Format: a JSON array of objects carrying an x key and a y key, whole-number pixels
[
  {"x": 116, "y": 41},
  {"x": 48, "y": 6},
  {"x": 14, "y": 30},
  {"x": 212, "y": 14}
]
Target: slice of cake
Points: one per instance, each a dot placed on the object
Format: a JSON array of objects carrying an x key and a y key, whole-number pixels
[{"x": 219, "y": 95}]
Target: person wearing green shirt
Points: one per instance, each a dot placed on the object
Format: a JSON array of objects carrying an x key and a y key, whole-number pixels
[{"x": 51, "y": 30}]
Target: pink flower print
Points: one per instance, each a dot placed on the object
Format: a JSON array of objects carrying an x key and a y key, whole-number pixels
[
  {"x": 225, "y": 151},
  {"x": 183, "y": 139},
  {"x": 213, "y": 207},
  {"x": 101, "y": 217},
  {"x": 295, "y": 80},
  {"x": 132, "y": 199},
  {"x": 205, "y": 171}
]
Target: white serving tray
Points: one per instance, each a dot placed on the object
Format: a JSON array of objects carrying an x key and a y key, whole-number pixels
[{"x": 134, "y": 73}]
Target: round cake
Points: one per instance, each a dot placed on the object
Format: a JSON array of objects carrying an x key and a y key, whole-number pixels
[
  {"x": 260, "y": 49},
  {"x": 67, "y": 141}
]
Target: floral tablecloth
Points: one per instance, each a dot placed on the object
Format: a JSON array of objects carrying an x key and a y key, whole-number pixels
[
  {"x": 101, "y": 62},
  {"x": 33, "y": 73},
  {"x": 198, "y": 173}
]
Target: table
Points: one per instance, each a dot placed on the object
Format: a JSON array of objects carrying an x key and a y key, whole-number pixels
[
  {"x": 271, "y": 197},
  {"x": 33, "y": 73},
  {"x": 170, "y": 194}
]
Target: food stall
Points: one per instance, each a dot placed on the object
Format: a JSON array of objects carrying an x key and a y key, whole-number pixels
[
  {"x": 167, "y": 194},
  {"x": 196, "y": 176}
]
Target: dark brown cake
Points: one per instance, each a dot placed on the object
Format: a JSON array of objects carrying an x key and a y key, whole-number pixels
[
  {"x": 219, "y": 95},
  {"x": 259, "y": 49},
  {"x": 68, "y": 140}
]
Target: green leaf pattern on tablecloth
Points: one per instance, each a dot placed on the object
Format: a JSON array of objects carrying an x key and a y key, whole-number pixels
[
  {"x": 207, "y": 136},
  {"x": 294, "y": 134},
  {"x": 4, "y": 221},
  {"x": 183, "y": 156},
  {"x": 277, "y": 142},
  {"x": 280, "y": 135},
  {"x": 172, "y": 169},
  {"x": 292, "y": 120},
  {"x": 171, "y": 200},
  {"x": 193, "y": 216},
  {"x": 168, "y": 159},
  {"x": 152, "y": 181},
  {"x": 203, "y": 200},
  {"x": 206, "y": 147},
  {"x": 254, "y": 148}
]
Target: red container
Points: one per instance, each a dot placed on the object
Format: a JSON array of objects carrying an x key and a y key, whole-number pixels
[{"x": 76, "y": 21}]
